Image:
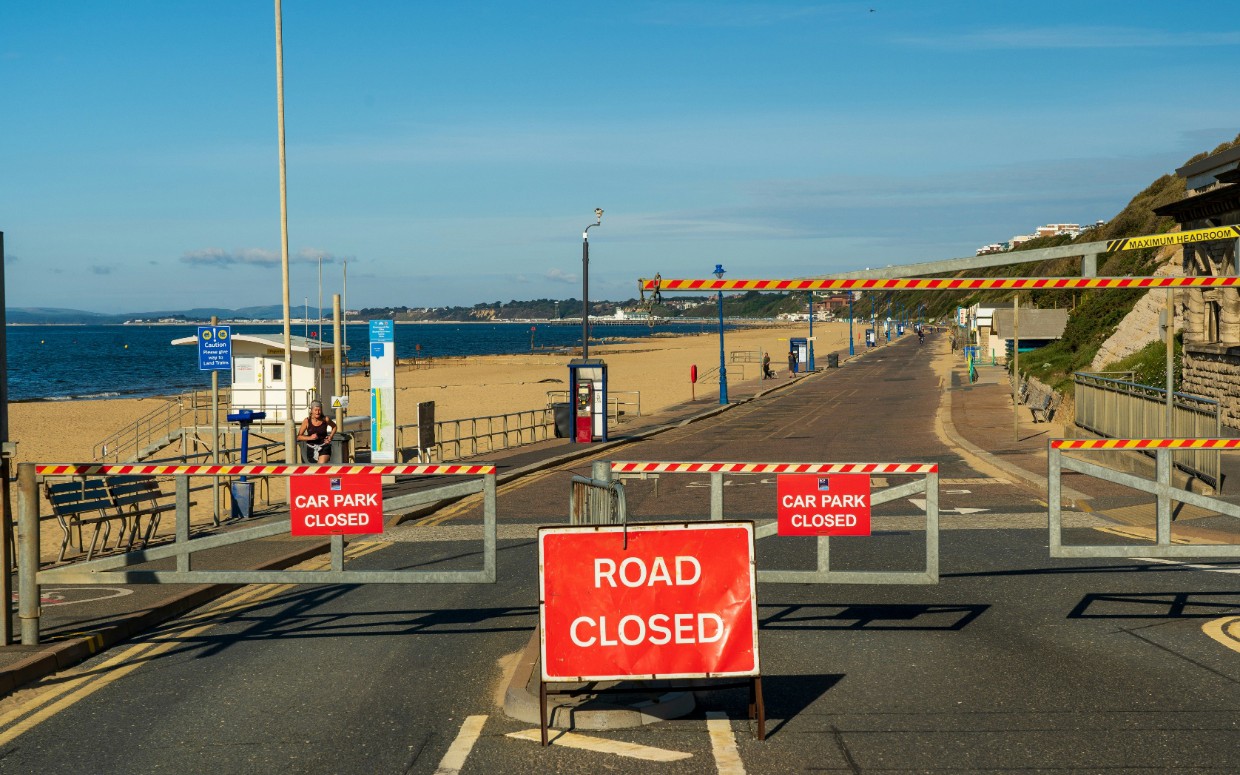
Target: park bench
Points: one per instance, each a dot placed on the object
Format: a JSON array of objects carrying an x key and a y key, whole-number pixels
[
  {"x": 136, "y": 497},
  {"x": 1044, "y": 405},
  {"x": 81, "y": 502}
]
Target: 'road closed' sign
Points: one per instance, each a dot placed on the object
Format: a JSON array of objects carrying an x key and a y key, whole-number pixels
[
  {"x": 665, "y": 601},
  {"x": 823, "y": 505},
  {"x": 330, "y": 505}
]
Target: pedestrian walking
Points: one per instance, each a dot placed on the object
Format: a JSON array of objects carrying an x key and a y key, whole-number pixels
[{"x": 792, "y": 363}]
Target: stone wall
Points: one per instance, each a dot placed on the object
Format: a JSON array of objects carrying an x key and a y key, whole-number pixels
[{"x": 1213, "y": 371}]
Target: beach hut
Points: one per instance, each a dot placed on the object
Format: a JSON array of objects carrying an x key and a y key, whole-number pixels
[{"x": 258, "y": 373}]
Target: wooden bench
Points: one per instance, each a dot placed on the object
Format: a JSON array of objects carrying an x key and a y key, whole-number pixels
[{"x": 78, "y": 503}]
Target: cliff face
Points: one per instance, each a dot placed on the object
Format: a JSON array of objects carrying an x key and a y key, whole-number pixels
[{"x": 1140, "y": 326}]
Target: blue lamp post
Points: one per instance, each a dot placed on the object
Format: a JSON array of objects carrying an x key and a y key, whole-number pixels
[
  {"x": 851, "y": 349},
  {"x": 811, "y": 332},
  {"x": 723, "y": 369}
]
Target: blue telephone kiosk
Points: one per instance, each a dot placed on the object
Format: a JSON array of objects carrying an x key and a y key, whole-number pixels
[{"x": 587, "y": 391}]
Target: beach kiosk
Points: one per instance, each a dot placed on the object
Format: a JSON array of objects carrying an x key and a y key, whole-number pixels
[
  {"x": 258, "y": 374},
  {"x": 587, "y": 393},
  {"x": 800, "y": 346}
]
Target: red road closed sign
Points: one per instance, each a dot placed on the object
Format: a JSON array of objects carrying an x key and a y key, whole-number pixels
[
  {"x": 823, "y": 504},
  {"x": 331, "y": 505},
  {"x": 676, "y": 602}
]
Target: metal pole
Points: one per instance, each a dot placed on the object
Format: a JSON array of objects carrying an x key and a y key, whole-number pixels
[
  {"x": 1170, "y": 363},
  {"x": 215, "y": 436},
  {"x": 1015, "y": 366},
  {"x": 290, "y": 439},
  {"x": 6, "y": 513},
  {"x": 851, "y": 350},
  {"x": 723, "y": 369},
  {"x": 28, "y": 556},
  {"x": 811, "y": 331},
  {"x": 337, "y": 351},
  {"x": 585, "y": 293}
]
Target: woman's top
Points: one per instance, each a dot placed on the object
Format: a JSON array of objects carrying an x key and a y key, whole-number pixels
[{"x": 319, "y": 432}]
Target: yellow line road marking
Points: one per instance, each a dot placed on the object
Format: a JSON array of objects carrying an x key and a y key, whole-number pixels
[
  {"x": 1225, "y": 631},
  {"x": 723, "y": 744},
  {"x": 602, "y": 745},
  {"x": 454, "y": 759}
]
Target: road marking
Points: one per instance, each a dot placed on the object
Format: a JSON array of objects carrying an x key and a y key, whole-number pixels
[
  {"x": 1191, "y": 565},
  {"x": 601, "y": 745},
  {"x": 454, "y": 759},
  {"x": 1225, "y": 631},
  {"x": 723, "y": 744},
  {"x": 1143, "y": 534},
  {"x": 963, "y": 510}
]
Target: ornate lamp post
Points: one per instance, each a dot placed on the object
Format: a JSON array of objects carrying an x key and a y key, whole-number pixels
[
  {"x": 723, "y": 369},
  {"x": 585, "y": 284}
]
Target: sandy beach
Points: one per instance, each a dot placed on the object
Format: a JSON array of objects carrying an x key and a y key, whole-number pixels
[{"x": 656, "y": 368}]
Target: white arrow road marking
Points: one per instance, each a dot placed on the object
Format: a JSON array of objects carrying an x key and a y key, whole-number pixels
[
  {"x": 601, "y": 745},
  {"x": 723, "y": 744},
  {"x": 921, "y": 504},
  {"x": 957, "y": 492},
  {"x": 454, "y": 759}
]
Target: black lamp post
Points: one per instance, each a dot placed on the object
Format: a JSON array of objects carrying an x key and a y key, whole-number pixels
[{"x": 585, "y": 284}]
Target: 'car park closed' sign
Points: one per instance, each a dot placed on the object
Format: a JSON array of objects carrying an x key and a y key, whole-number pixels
[
  {"x": 823, "y": 504},
  {"x": 649, "y": 601},
  {"x": 331, "y": 505}
]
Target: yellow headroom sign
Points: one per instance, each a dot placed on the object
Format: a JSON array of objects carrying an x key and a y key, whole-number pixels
[{"x": 1174, "y": 238}]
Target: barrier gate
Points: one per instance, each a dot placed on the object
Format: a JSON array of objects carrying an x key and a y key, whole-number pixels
[
  {"x": 1161, "y": 488},
  {"x": 822, "y": 574},
  {"x": 113, "y": 568}
]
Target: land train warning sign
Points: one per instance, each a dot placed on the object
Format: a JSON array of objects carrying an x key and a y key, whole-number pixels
[
  {"x": 814, "y": 505},
  {"x": 647, "y": 602}
]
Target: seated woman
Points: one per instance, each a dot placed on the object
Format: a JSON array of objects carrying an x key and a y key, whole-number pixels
[{"x": 317, "y": 431}]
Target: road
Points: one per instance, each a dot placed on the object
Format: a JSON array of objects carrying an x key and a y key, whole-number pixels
[{"x": 1013, "y": 662}]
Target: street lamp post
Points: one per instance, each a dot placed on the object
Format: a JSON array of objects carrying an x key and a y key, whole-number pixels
[
  {"x": 811, "y": 332},
  {"x": 723, "y": 368},
  {"x": 585, "y": 284},
  {"x": 851, "y": 349}
]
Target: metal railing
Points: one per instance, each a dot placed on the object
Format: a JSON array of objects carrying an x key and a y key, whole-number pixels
[
  {"x": 1164, "y": 492},
  {"x": 117, "y": 568},
  {"x": 617, "y": 401},
  {"x": 161, "y": 424},
  {"x": 927, "y": 484},
  {"x": 470, "y": 436},
  {"x": 596, "y": 502},
  {"x": 1120, "y": 409}
]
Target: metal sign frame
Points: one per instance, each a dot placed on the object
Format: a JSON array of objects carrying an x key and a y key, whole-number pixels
[
  {"x": 822, "y": 574},
  {"x": 1161, "y": 488}
]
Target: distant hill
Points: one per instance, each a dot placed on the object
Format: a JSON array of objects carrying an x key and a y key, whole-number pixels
[{"x": 57, "y": 316}]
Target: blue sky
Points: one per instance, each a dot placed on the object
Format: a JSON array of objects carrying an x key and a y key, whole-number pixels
[{"x": 452, "y": 153}]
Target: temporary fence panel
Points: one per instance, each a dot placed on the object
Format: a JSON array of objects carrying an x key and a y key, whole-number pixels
[
  {"x": 1161, "y": 488},
  {"x": 596, "y": 502},
  {"x": 928, "y": 483},
  {"x": 115, "y": 569}
]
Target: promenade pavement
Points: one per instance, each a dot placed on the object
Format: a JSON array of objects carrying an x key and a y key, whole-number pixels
[{"x": 976, "y": 419}]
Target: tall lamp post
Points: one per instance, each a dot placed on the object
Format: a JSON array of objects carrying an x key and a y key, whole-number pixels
[
  {"x": 585, "y": 284},
  {"x": 811, "y": 332},
  {"x": 851, "y": 349},
  {"x": 723, "y": 369}
]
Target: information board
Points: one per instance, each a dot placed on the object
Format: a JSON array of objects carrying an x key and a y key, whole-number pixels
[{"x": 215, "y": 348}]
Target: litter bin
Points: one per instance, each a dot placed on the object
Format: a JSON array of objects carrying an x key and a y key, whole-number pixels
[
  {"x": 833, "y": 360},
  {"x": 242, "y": 499},
  {"x": 340, "y": 448},
  {"x": 563, "y": 420}
]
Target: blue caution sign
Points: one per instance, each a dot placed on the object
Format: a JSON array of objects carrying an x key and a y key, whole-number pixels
[{"x": 214, "y": 348}]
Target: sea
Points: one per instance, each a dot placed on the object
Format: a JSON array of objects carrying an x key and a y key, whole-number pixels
[{"x": 68, "y": 362}]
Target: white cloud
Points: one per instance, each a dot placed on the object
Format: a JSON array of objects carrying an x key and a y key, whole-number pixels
[{"x": 253, "y": 257}]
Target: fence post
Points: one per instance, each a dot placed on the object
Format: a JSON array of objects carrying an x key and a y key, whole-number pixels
[
  {"x": 488, "y": 526},
  {"x": 1162, "y": 459},
  {"x": 932, "y": 526},
  {"x": 182, "y": 492},
  {"x": 28, "y": 554},
  {"x": 1054, "y": 497}
]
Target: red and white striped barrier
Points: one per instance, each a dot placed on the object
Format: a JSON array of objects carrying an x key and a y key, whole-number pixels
[
  {"x": 940, "y": 283},
  {"x": 73, "y": 469},
  {"x": 1145, "y": 444},
  {"x": 774, "y": 468}
]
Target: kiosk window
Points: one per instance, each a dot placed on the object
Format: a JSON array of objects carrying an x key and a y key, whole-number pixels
[{"x": 277, "y": 372}]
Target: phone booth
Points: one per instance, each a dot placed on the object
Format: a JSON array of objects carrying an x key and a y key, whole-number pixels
[
  {"x": 587, "y": 390},
  {"x": 800, "y": 346},
  {"x": 870, "y": 339}
]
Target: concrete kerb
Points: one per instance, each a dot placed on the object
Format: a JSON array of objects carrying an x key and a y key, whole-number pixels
[{"x": 49, "y": 658}]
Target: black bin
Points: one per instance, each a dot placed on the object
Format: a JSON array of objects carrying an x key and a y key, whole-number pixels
[
  {"x": 340, "y": 448},
  {"x": 833, "y": 360},
  {"x": 563, "y": 420}
]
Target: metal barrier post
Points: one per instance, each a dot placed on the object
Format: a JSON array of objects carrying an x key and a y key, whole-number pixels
[
  {"x": 182, "y": 493},
  {"x": 716, "y": 496},
  {"x": 1162, "y": 488},
  {"x": 28, "y": 555},
  {"x": 1054, "y": 498},
  {"x": 337, "y": 552},
  {"x": 488, "y": 526},
  {"x": 932, "y": 525}
]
